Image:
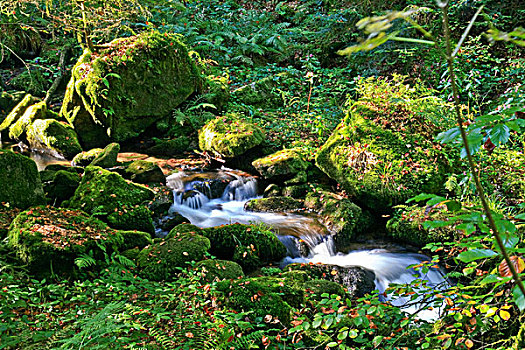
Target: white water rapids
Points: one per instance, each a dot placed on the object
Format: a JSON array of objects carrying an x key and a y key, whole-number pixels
[{"x": 218, "y": 198}]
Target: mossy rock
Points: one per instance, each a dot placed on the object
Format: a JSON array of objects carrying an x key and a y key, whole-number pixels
[
  {"x": 406, "y": 226},
  {"x": 16, "y": 113},
  {"x": 274, "y": 205},
  {"x": 135, "y": 239},
  {"x": 8, "y": 101},
  {"x": 357, "y": 280},
  {"x": 286, "y": 163},
  {"x": 263, "y": 296},
  {"x": 383, "y": 152},
  {"x": 248, "y": 245},
  {"x": 61, "y": 186},
  {"x": 17, "y": 131},
  {"x": 49, "y": 239},
  {"x": 132, "y": 218},
  {"x": 229, "y": 136},
  {"x": 145, "y": 172},
  {"x": 148, "y": 75},
  {"x": 216, "y": 270},
  {"x": 319, "y": 287},
  {"x": 170, "y": 147},
  {"x": 343, "y": 219},
  {"x": 131, "y": 254},
  {"x": 184, "y": 228},
  {"x": 103, "y": 192},
  {"x": 85, "y": 158},
  {"x": 161, "y": 261},
  {"x": 295, "y": 191},
  {"x": 108, "y": 157},
  {"x": 7, "y": 215},
  {"x": 20, "y": 184},
  {"x": 53, "y": 136},
  {"x": 216, "y": 92},
  {"x": 262, "y": 93}
]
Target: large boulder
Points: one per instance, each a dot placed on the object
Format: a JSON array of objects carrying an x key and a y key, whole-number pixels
[
  {"x": 284, "y": 164},
  {"x": 407, "y": 225},
  {"x": 20, "y": 184},
  {"x": 163, "y": 260},
  {"x": 54, "y": 137},
  {"x": 229, "y": 136},
  {"x": 108, "y": 157},
  {"x": 116, "y": 92},
  {"x": 145, "y": 172},
  {"x": 61, "y": 185},
  {"x": 215, "y": 270},
  {"x": 15, "y": 114},
  {"x": 382, "y": 153},
  {"x": 248, "y": 245},
  {"x": 104, "y": 192},
  {"x": 17, "y": 131},
  {"x": 85, "y": 158},
  {"x": 49, "y": 239}
]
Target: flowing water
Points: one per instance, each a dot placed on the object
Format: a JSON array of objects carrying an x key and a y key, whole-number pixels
[{"x": 218, "y": 198}]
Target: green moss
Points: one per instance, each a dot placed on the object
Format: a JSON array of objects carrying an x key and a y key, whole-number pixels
[
  {"x": 229, "y": 136},
  {"x": 32, "y": 81},
  {"x": 341, "y": 216},
  {"x": 7, "y": 215},
  {"x": 50, "y": 134},
  {"x": 287, "y": 162},
  {"x": 49, "y": 239},
  {"x": 17, "y": 131},
  {"x": 184, "y": 228},
  {"x": 216, "y": 91},
  {"x": 263, "y": 296},
  {"x": 20, "y": 184},
  {"x": 379, "y": 165},
  {"x": 319, "y": 287},
  {"x": 503, "y": 173},
  {"x": 132, "y": 218},
  {"x": 85, "y": 158},
  {"x": 61, "y": 186},
  {"x": 8, "y": 101},
  {"x": 248, "y": 245},
  {"x": 144, "y": 172},
  {"x": 108, "y": 157},
  {"x": 135, "y": 239},
  {"x": 16, "y": 113},
  {"x": 103, "y": 192},
  {"x": 123, "y": 88},
  {"x": 170, "y": 147},
  {"x": 160, "y": 261},
  {"x": 216, "y": 270},
  {"x": 274, "y": 204},
  {"x": 406, "y": 226}
]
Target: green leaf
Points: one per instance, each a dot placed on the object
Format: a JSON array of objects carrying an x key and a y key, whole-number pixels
[
  {"x": 317, "y": 322},
  {"x": 448, "y": 136},
  {"x": 499, "y": 134},
  {"x": 421, "y": 197},
  {"x": 453, "y": 205},
  {"x": 519, "y": 298},
  {"x": 332, "y": 344},
  {"x": 475, "y": 254}
]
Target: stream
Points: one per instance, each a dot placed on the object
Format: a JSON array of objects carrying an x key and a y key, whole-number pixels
[{"x": 218, "y": 198}]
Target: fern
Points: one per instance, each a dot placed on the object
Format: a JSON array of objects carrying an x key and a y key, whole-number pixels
[
  {"x": 245, "y": 342},
  {"x": 85, "y": 261}
]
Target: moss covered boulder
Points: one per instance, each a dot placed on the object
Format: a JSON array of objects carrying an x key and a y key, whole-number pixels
[
  {"x": 284, "y": 164},
  {"x": 263, "y": 296},
  {"x": 85, "y": 158},
  {"x": 17, "y": 131},
  {"x": 103, "y": 192},
  {"x": 343, "y": 219},
  {"x": 217, "y": 270},
  {"x": 407, "y": 226},
  {"x": 108, "y": 157},
  {"x": 145, "y": 172},
  {"x": 170, "y": 147},
  {"x": 135, "y": 239},
  {"x": 184, "y": 228},
  {"x": 229, "y": 136},
  {"x": 274, "y": 205},
  {"x": 250, "y": 246},
  {"x": 20, "y": 184},
  {"x": 129, "y": 217},
  {"x": 61, "y": 185},
  {"x": 357, "y": 280},
  {"x": 161, "y": 261},
  {"x": 382, "y": 153},
  {"x": 15, "y": 114},
  {"x": 118, "y": 91},
  {"x": 54, "y": 137},
  {"x": 49, "y": 239}
]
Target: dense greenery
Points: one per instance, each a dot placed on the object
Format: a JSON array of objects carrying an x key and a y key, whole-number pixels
[{"x": 360, "y": 139}]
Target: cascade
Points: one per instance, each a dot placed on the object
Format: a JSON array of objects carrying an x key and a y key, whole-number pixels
[{"x": 218, "y": 198}]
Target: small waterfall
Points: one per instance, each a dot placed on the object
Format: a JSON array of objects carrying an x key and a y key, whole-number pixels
[{"x": 218, "y": 198}]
